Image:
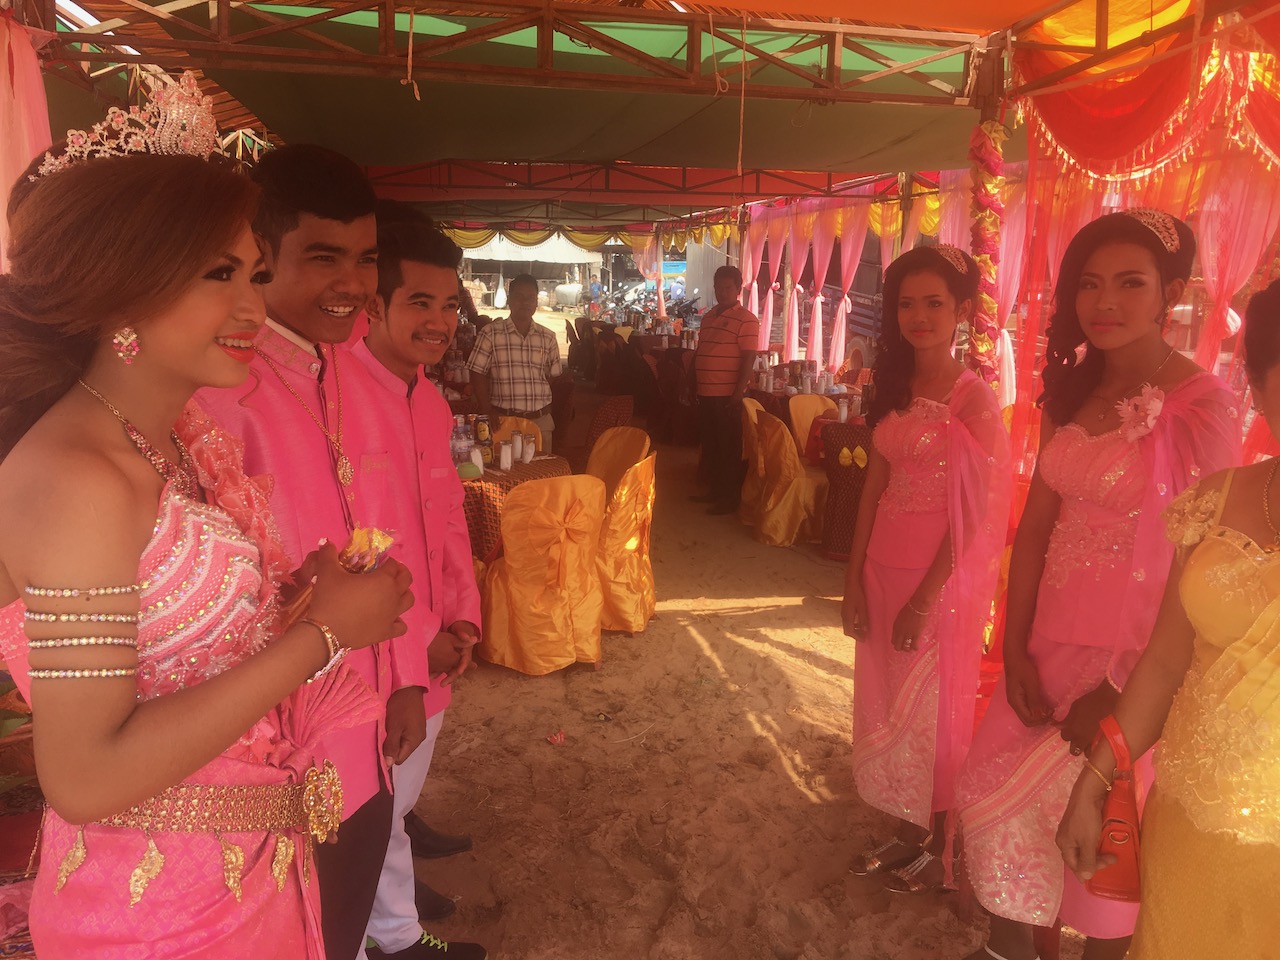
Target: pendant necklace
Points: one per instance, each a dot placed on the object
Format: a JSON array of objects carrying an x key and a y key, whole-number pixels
[
  {"x": 181, "y": 474},
  {"x": 1266, "y": 506},
  {"x": 1111, "y": 405},
  {"x": 346, "y": 474}
]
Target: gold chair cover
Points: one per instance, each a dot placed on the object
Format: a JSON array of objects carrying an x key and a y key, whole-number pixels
[
  {"x": 617, "y": 450},
  {"x": 626, "y": 572},
  {"x": 804, "y": 409},
  {"x": 542, "y": 599},
  {"x": 753, "y": 482},
  {"x": 511, "y": 424},
  {"x": 794, "y": 493}
]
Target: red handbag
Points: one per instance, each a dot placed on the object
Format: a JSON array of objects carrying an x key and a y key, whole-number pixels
[{"x": 1120, "y": 881}]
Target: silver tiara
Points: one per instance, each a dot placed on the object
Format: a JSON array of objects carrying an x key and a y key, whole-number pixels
[{"x": 176, "y": 120}]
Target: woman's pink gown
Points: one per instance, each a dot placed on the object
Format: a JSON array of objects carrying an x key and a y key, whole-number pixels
[
  {"x": 913, "y": 712},
  {"x": 1103, "y": 580},
  {"x": 206, "y": 606}
]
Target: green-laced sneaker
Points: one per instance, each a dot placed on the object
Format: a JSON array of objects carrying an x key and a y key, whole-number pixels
[{"x": 431, "y": 947}]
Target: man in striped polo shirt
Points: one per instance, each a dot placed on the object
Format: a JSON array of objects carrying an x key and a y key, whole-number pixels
[{"x": 726, "y": 354}]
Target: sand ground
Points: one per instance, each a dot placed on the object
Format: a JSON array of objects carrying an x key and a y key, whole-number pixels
[{"x": 702, "y": 804}]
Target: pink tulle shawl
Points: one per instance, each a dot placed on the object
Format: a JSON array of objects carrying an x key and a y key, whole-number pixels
[
  {"x": 1198, "y": 432},
  {"x": 979, "y": 488}
]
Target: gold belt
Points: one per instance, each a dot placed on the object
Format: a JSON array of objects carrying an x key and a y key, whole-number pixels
[{"x": 314, "y": 804}]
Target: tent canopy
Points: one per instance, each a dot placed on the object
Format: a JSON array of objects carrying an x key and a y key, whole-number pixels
[
  {"x": 817, "y": 86},
  {"x": 556, "y": 249}
]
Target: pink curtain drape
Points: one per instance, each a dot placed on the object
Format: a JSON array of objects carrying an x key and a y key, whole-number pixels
[
  {"x": 824, "y": 241},
  {"x": 854, "y": 220},
  {"x": 911, "y": 233},
  {"x": 1238, "y": 219},
  {"x": 1013, "y": 258},
  {"x": 776, "y": 231},
  {"x": 24, "y": 115},
  {"x": 797, "y": 256},
  {"x": 752, "y": 253},
  {"x": 954, "y": 189}
]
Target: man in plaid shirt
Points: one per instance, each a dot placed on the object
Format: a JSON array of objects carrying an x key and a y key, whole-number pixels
[{"x": 513, "y": 362}]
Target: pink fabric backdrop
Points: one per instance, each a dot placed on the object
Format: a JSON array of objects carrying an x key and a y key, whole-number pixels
[
  {"x": 24, "y": 116},
  {"x": 1238, "y": 219},
  {"x": 824, "y": 241},
  {"x": 853, "y": 237},
  {"x": 954, "y": 189},
  {"x": 776, "y": 231},
  {"x": 752, "y": 252},
  {"x": 797, "y": 256}
]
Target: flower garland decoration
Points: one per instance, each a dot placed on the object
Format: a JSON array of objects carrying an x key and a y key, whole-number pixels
[{"x": 986, "y": 153}]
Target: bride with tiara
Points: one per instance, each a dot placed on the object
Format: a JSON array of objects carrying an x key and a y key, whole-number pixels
[{"x": 174, "y": 716}]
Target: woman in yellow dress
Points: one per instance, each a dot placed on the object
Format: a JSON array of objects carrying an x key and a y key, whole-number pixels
[{"x": 1211, "y": 679}]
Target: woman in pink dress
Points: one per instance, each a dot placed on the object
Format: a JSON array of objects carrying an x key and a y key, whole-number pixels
[
  {"x": 924, "y": 562},
  {"x": 174, "y": 725},
  {"x": 1129, "y": 423}
]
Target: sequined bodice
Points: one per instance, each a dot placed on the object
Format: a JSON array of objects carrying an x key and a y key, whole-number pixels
[
  {"x": 1101, "y": 482},
  {"x": 204, "y": 604},
  {"x": 1220, "y": 754},
  {"x": 914, "y": 441}
]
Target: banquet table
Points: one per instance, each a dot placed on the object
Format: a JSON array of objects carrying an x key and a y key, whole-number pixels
[{"x": 485, "y": 496}]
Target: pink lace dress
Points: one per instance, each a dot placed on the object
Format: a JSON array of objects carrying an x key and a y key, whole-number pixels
[
  {"x": 1104, "y": 574},
  {"x": 913, "y": 711},
  {"x": 119, "y": 892}
]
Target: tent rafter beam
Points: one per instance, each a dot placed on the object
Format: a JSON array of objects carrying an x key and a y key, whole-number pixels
[
  {"x": 199, "y": 33},
  {"x": 603, "y": 183}
]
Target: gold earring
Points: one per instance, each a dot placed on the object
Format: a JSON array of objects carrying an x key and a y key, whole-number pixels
[{"x": 126, "y": 344}]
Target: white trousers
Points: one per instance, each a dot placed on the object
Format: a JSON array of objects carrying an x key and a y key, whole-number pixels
[{"x": 393, "y": 924}]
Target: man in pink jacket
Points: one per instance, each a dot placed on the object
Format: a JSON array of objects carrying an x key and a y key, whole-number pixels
[
  {"x": 307, "y": 416},
  {"x": 412, "y": 320}
]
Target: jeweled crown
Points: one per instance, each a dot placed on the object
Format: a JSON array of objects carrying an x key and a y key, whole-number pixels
[
  {"x": 1160, "y": 223},
  {"x": 955, "y": 257},
  {"x": 177, "y": 119}
]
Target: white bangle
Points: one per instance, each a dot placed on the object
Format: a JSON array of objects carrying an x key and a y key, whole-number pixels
[{"x": 336, "y": 650}]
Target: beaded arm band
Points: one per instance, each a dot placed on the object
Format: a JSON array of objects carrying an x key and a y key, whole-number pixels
[
  {"x": 71, "y": 593},
  {"x": 80, "y": 617},
  {"x": 61, "y": 642},
  {"x": 95, "y": 673}
]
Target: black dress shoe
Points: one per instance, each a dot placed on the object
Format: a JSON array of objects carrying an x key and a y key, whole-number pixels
[
  {"x": 429, "y": 844},
  {"x": 432, "y": 948},
  {"x": 431, "y": 905}
]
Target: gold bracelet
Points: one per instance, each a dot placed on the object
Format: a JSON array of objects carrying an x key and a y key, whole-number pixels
[
  {"x": 83, "y": 674},
  {"x": 921, "y": 613},
  {"x": 336, "y": 650},
  {"x": 1098, "y": 773}
]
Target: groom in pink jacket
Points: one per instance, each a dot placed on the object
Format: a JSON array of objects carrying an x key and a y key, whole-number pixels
[
  {"x": 308, "y": 415},
  {"x": 412, "y": 320}
]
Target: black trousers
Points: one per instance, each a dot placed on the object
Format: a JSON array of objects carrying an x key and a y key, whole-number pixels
[
  {"x": 348, "y": 872},
  {"x": 720, "y": 419}
]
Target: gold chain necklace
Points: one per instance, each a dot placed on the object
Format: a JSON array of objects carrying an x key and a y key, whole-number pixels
[
  {"x": 1111, "y": 403},
  {"x": 1266, "y": 503},
  {"x": 181, "y": 473},
  {"x": 345, "y": 472}
]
